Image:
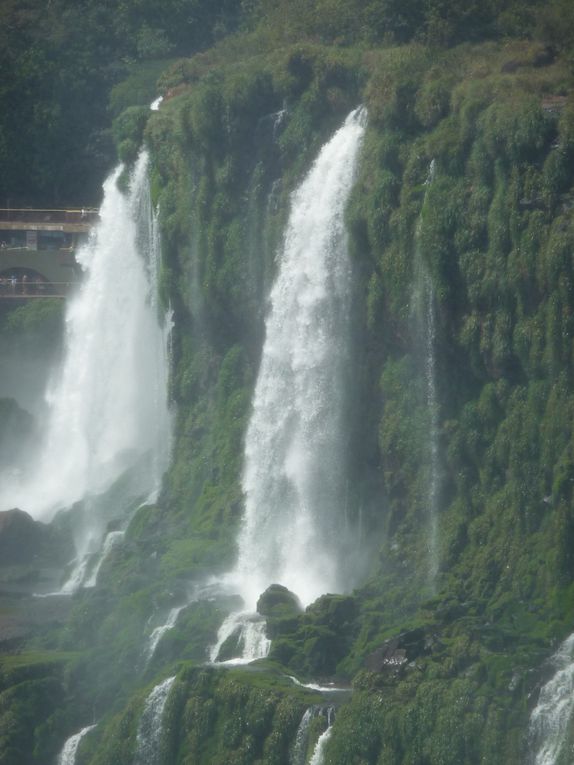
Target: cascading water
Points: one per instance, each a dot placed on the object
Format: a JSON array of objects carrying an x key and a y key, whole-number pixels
[
  {"x": 318, "y": 756},
  {"x": 299, "y": 752},
  {"x": 247, "y": 630},
  {"x": 424, "y": 304},
  {"x": 160, "y": 631},
  {"x": 68, "y": 754},
  {"x": 293, "y": 479},
  {"x": 150, "y": 729},
  {"x": 293, "y": 474},
  {"x": 108, "y": 408},
  {"x": 552, "y": 714},
  {"x": 112, "y": 540}
]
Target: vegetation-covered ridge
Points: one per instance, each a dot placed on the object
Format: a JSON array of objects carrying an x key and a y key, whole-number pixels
[{"x": 463, "y": 204}]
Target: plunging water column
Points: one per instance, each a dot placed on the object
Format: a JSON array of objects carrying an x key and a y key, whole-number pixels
[
  {"x": 293, "y": 478},
  {"x": 108, "y": 405}
]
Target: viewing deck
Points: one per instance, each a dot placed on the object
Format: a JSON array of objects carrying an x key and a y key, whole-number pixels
[{"x": 38, "y": 250}]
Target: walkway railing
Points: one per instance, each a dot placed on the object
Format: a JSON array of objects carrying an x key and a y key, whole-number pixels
[
  {"x": 87, "y": 215},
  {"x": 23, "y": 290}
]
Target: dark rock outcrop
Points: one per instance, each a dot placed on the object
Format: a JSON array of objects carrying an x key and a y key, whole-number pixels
[
  {"x": 395, "y": 653},
  {"x": 24, "y": 541},
  {"x": 278, "y": 600}
]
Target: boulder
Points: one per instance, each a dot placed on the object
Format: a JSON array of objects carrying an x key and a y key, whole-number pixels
[{"x": 278, "y": 600}]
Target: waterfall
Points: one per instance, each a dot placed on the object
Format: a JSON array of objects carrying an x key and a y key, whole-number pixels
[
  {"x": 299, "y": 752},
  {"x": 107, "y": 407},
  {"x": 293, "y": 476},
  {"x": 424, "y": 305},
  {"x": 68, "y": 754},
  {"x": 318, "y": 757},
  {"x": 246, "y": 630},
  {"x": 112, "y": 540},
  {"x": 150, "y": 729},
  {"x": 160, "y": 631},
  {"x": 550, "y": 717}
]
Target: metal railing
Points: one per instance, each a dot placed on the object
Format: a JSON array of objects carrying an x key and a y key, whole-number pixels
[
  {"x": 19, "y": 289},
  {"x": 87, "y": 215}
]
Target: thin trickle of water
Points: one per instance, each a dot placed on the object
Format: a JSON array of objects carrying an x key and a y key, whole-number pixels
[
  {"x": 68, "y": 754},
  {"x": 425, "y": 307},
  {"x": 159, "y": 632},
  {"x": 112, "y": 540},
  {"x": 150, "y": 729},
  {"x": 552, "y": 714},
  {"x": 293, "y": 474}
]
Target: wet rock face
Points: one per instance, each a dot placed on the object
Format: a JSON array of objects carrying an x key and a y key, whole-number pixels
[
  {"x": 277, "y": 598},
  {"x": 395, "y": 653},
  {"x": 24, "y": 541}
]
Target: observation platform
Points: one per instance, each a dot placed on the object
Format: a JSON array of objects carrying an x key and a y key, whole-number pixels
[{"x": 38, "y": 251}]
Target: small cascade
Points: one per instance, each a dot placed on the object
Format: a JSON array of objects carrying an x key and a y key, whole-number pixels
[
  {"x": 113, "y": 538},
  {"x": 317, "y": 687},
  {"x": 78, "y": 574},
  {"x": 160, "y": 631},
  {"x": 150, "y": 729},
  {"x": 245, "y": 632},
  {"x": 425, "y": 317},
  {"x": 299, "y": 751},
  {"x": 318, "y": 757},
  {"x": 552, "y": 714},
  {"x": 68, "y": 754}
]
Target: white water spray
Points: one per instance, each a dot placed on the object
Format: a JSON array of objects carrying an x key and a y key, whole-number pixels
[
  {"x": 248, "y": 632},
  {"x": 552, "y": 714},
  {"x": 293, "y": 475},
  {"x": 68, "y": 754},
  {"x": 150, "y": 729},
  {"x": 108, "y": 406}
]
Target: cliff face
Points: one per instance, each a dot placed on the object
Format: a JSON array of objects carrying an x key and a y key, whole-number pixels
[
  {"x": 459, "y": 449},
  {"x": 460, "y": 435}
]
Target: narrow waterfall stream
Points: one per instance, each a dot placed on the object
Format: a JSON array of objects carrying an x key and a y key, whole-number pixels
[
  {"x": 299, "y": 752},
  {"x": 550, "y": 717},
  {"x": 318, "y": 756},
  {"x": 293, "y": 479},
  {"x": 150, "y": 729},
  {"x": 424, "y": 307},
  {"x": 108, "y": 410},
  {"x": 68, "y": 754}
]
